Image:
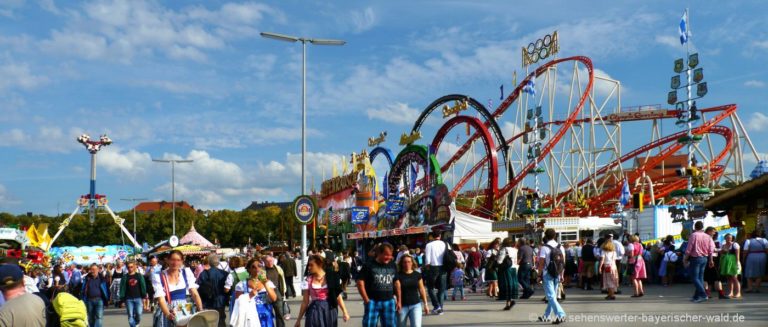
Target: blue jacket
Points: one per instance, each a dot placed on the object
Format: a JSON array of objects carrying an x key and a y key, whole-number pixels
[
  {"x": 75, "y": 279},
  {"x": 102, "y": 286}
]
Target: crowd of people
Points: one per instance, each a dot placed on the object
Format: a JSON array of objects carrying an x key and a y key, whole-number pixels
[{"x": 398, "y": 286}]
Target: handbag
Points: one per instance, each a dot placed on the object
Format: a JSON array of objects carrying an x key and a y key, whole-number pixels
[
  {"x": 182, "y": 313},
  {"x": 607, "y": 269}
]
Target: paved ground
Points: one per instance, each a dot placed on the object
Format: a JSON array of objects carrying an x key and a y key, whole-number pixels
[{"x": 658, "y": 303}]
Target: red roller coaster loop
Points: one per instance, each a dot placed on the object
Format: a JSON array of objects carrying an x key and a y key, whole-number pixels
[{"x": 490, "y": 149}]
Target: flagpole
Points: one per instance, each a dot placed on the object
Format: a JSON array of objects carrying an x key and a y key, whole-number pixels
[{"x": 688, "y": 88}]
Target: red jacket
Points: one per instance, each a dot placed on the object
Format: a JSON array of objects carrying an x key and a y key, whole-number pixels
[{"x": 474, "y": 259}]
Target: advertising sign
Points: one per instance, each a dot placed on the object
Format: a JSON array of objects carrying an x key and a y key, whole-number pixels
[
  {"x": 395, "y": 206},
  {"x": 360, "y": 215},
  {"x": 305, "y": 209}
]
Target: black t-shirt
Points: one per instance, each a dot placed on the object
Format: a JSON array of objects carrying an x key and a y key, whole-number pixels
[
  {"x": 588, "y": 253},
  {"x": 409, "y": 287},
  {"x": 379, "y": 280},
  {"x": 132, "y": 287}
]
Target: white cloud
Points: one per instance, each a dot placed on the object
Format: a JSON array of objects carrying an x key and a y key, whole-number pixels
[
  {"x": 129, "y": 163},
  {"x": 758, "y": 122},
  {"x": 210, "y": 182},
  {"x": 754, "y": 83},
  {"x": 668, "y": 40},
  {"x": 49, "y": 6},
  {"x": 115, "y": 30},
  {"x": 761, "y": 44},
  {"x": 479, "y": 61},
  {"x": 363, "y": 20},
  {"x": 19, "y": 76},
  {"x": 44, "y": 139},
  {"x": 750, "y": 160},
  {"x": 5, "y": 198},
  {"x": 397, "y": 113}
]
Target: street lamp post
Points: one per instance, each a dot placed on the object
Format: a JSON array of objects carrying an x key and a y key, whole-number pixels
[
  {"x": 303, "y": 40},
  {"x": 133, "y": 200},
  {"x": 173, "y": 163}
]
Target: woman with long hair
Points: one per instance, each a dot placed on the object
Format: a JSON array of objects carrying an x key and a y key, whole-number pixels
[
  {"x": 117, "y": 275},
  {"x": 491, "y": 274},
  {"x": 508, "y": 262},
  {"x": 322, "y": 296},
  {"x": 58, "y": 282},
  {"x": 411, "y": 293},
  {"x": 636, "y": 263},
  {"x": 730, "y": 266},
  {"x": 175, "y": 290},
  {"x": 609, "y": 269},
  {"x": 265, "y": 291}
]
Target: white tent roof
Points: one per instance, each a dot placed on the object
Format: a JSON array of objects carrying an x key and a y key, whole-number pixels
[
  {"x": 472, "y": 229},
  {"x": 597, "y": 223}
]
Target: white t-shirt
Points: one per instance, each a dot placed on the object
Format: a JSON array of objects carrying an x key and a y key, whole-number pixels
[
  {"x": 508, "y": 252},
  {"x": 160, "y": 290},
  {"x": 544, "y": 251},
  {"x": 433, "y": 253},
  {"x": 619, "y": 249},
  {"x": 231, "y": 279}
]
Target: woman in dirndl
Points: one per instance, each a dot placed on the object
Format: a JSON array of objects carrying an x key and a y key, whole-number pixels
[
  {"x": 609, "y": 269},
  {"x": 755, "y": 256},
  {"x": 322, "y": 296},
  {"x": 730, "y": 266},
  {"x": 265, "y": 294},
  {"x": 508, "y": 263},
  {"x": 175, "y": 291},
  {"x": 636, "y": 265},
  {"x": 491, "y": 274}
]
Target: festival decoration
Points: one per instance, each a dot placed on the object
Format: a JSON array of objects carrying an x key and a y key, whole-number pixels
[
  {"x": 375, "y": 141},
  {"x": 408, "y": 139}
]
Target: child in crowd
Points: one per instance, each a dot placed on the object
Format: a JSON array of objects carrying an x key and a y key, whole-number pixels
[{"x": 457, "y": 281}]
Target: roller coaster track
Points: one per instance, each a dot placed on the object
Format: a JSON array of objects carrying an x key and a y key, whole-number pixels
[
  {"x": 512, "y": 178},
  {"x": 709, "y": 126}
]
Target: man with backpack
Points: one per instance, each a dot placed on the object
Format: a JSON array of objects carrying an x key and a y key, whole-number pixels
[
  {"x": 211, "y": 287},
  {"x": 551, "y": 265},
  {"x": 438, "y": 261}
]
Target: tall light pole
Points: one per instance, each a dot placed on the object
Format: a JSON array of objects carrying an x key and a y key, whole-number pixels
[
  {"x": 134, "y": 200},
  {"x": 303, "y": 40},
  {"x": 173, "y": 163}
]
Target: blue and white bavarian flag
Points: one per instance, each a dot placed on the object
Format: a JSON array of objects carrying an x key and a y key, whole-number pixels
[
  {"x": 530, "y": 85},
  {"x": 683, "y": 28},
  {"x": 625, "y": 196}
]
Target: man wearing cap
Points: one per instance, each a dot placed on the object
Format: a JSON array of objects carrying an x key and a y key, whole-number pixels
[{"x": 20, "y": 308}]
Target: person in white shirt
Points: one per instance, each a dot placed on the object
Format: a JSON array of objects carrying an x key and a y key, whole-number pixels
[
  {"x": 619, "y": 257},
  {"x": 508, "y": 263},
  {"x": 436, "y": 275},
  {"x": 551, "y": 283}
]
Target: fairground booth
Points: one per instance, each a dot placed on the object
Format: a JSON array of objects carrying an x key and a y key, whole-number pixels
[{"x": 358, "y": 210}]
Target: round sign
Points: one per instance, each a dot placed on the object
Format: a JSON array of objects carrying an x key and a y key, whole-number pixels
[
  {"x": 174, "y": 241},
  {"x": 304, "y": 209}
]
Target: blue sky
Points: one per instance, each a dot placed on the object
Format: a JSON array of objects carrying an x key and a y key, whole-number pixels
[{"x": 193, "y": 79}]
